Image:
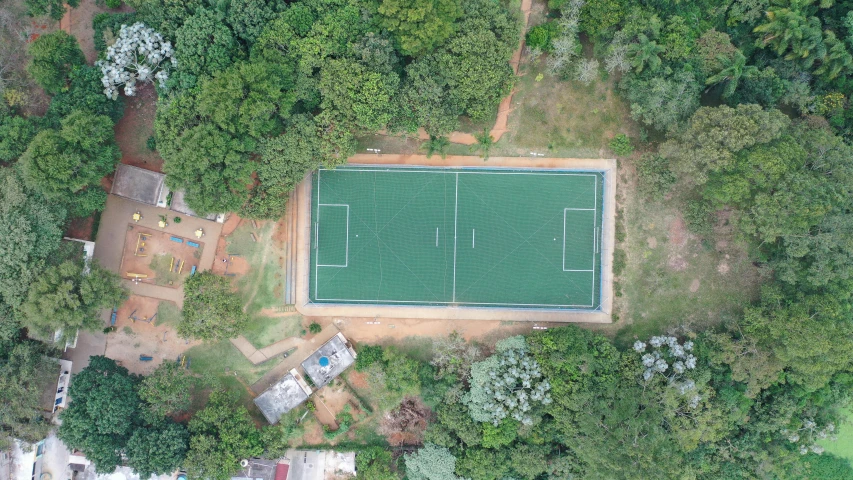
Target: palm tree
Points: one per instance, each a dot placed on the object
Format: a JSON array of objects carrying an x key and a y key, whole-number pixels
[
  {"x": 734, "y": 69},
  {"x": 644, "y": 52},
  {"x": 436, "y": 145},
  {"x": 485, "y": 142},
  {"x": 837, "y": 58},
  {"x": 792, "y": 35}
]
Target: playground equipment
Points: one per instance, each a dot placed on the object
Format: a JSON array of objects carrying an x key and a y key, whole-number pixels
[
  {"x": 136, "y": 275},
  {"x": 140, "y": 245},
  {"x": 113, "y": 316},
  {"x": 137, "y": 216},
  {"x": 192, "y": 244},
  {"x": 176, "y": 239},
  {"x": 145, "y": 358},
  {"x": 192, "y": 272},
  {"x": 199, "y": 233}
]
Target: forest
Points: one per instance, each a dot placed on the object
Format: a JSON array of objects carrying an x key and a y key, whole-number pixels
[{"x": 740, "y": 108}]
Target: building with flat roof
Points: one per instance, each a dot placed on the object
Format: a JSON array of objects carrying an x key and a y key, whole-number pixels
[
  {"x": 283, "y": 396},
  {"x": 329, "y": 361}
]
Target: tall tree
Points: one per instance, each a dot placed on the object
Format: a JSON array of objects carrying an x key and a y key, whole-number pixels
[
  {"x": 53, "y": 56},
  {"x": 61, "y": 164},
  {"x": 65, "y": 298},
  {"x": 25, "y": 373},
  {"x": 103, "y": 413},
  {"x": 212, "y": 310},
  {"x": 167, "y": 389},
  {"x": 222, "y": 435},
  {"x": 157, "y": 450},
  {"x": 419, "y": 25},
  {"x": 645, "y": 53},
  {"x": 30, "y": 231},
  {"x": 733, "y": 69}
]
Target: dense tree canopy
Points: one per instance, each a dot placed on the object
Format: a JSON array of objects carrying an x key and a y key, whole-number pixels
[
  {"x": 212, "y": 310},
  {"x": 53, "y": 57},
  {"x": 69, "y": 297},
  {"x": 25, "y": 372}
]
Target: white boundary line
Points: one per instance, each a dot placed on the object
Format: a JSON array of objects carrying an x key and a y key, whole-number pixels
[
  {"x": 594, "y": 242},
  {"x": 594, "y": 228},
  {"x": 473, "y": 237},
  {"x": 456, "y": 208},
  {"x": 455, "y": 217},
  {"x": 446, "y": 172},
  {"x": 317, "y": 239},
  {"x": 429, "y": 302},
  {"x": 436, "y": 236},
  {"x": 346, "y": 254}
]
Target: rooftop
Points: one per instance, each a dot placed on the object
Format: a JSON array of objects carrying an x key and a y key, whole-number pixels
[
  {"x": 329, "y": 361},
  {"x": 138, "y": 184},
  {"x": 283, "y": 396}
]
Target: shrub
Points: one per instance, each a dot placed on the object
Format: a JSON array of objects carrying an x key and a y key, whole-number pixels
[
  {"x": 621, "y": 145},
  {"x": 151, "y": 143},
  {"x": 314, "y": 327},
  {"x": 541, "y": 36},
  {"x": 698, "y": 217},
  {"x": 177, "y": 219},
  {"x": 113, "y": 3},
  {"x": 620, "y": 260},
  {"x": 656, "y": 178},
  {"x": 367, "y": 356}
]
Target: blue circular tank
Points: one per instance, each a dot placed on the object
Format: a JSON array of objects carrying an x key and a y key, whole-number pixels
[{"x": 324, "y": 361}]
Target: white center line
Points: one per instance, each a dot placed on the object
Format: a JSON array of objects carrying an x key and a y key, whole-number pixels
[
  {"x": 455, "y": 216},
  {"x": 473, "y": 236}
]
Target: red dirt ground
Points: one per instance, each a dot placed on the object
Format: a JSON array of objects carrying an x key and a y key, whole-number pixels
[
  {"x": 157, "y": 243},
  {"x": 81, "y": 228},
  {"x": 134, "y": 128}
]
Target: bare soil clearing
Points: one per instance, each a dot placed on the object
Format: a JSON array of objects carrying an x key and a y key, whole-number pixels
[
  {"x": 154, "y": 254},
  {"x": 134, "y": 338},
  {"x": 135, "y": 127}
]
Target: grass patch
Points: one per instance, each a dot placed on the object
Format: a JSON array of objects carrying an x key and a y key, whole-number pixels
[
  {"x": 223, "y": 360},
  {"x": 563, "y": 118},
  {"x": 262, "y": 286},
  {"x": 673, "y": 277},
  {"x": 263, "y": 331},
  {"x": 163, "y": 274},
  {"x": 168, "y": 314},
  {"x": 843, "y": 446}
]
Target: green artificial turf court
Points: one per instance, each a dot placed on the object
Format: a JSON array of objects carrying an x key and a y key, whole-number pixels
[{"x": 473, "y": 237}]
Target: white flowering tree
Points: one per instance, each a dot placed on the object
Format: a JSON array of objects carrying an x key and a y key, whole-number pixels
[
  {"x": 507, "y": 384},
  {"x": 672, "y": 360},
  {"x": 807, "y": 434},
  {"x": 138, "y": 55}
]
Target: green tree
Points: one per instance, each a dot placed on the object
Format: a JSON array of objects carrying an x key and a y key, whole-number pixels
[
  {"x": 15, "y": 135},
  {"x": 55, "y": 9},
  {"x": 208, "y": 163},
  {"x": 791, "y": 33},
  {"x": 645, "y": 52},
  {"x": 86, "y": 93},
  {"x": 52, "y": 58},
  {"x": 361, "y": 98},
  {"x": 67, "y": 298},
  {"x": 600, "y": 16},
  {"x": 248, "y": 98},
  {"x": 212, "y": 310},
  {"x": 837, "y": 60},
  {"x": 25, "y": 374},
  {"x": 63, "y": 163},
  {"x": 104, "y": 412},
  {"x": 157, "y": 450},
  {"x": 204, "y": 45},
  {"x": 485, "y": 142},
  {"x": 30, "y": 232},
  {"x": 249, "y": 17},
  {"x": 222, "y": 434},
  {"x": 431, "y": 463},
  {"x": 714, "y": 135},
  {"x": 373, "y": 463},
  {"x": 420, "y": 26},
  {"x": 165, "y": 16},
  {"x": 811, "y": 334},
  {"x": 482, "y": 464},
  {"x": 733, "y": 69},
  {"x": 167, "y": 389}
]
